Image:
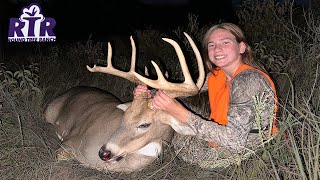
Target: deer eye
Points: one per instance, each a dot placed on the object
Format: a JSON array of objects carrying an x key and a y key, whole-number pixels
[{"x": 146, "y": 125}]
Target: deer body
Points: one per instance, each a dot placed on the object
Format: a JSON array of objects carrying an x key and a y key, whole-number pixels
[
  {"x": 95, "y": 120},
  {"x": 100, "y": 132}
]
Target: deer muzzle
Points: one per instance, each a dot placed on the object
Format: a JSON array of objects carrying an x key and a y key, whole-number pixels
[{"x": 107, "y": 156}]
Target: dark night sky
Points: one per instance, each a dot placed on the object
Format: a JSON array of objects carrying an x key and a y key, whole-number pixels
[
  {"x": 119, "y": 17},
  {"x": 79, "y": 18}
]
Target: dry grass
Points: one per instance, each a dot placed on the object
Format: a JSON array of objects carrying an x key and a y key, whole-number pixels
[{"x": 28, "y": 144}]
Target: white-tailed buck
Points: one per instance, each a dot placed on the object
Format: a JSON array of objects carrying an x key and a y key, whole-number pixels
[{"x": 100, "y": 132}]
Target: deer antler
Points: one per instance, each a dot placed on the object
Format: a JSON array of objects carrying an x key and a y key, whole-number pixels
[
  {"x": 187, "y": 88},
  {"x": 111, "y": 70}
]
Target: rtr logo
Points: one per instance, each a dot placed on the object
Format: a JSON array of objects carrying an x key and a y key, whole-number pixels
[{"x": 32, "y": 26}]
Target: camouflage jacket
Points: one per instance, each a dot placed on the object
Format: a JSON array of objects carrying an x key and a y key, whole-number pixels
[{"x": 251, "y": 106}]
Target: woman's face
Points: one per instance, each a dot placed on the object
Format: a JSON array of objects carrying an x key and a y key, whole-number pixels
[{"x": 223, "y": 49}]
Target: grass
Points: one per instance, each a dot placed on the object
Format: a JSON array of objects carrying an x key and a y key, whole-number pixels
[{"x": 285, "y": 39}]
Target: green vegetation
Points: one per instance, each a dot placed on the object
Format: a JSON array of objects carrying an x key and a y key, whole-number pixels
[{"x": 285, "y": 38}]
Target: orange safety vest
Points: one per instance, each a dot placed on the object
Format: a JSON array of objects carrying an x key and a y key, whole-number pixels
[{"x": 219, "y": 95}]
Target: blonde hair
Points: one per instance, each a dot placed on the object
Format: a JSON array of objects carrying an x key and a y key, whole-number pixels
[{"x": 247, "y": 56}]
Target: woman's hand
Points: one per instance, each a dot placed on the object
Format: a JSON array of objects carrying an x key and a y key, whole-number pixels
[
  {"x": 142, "y": 90},
  {"x": 163, "y": 102}
]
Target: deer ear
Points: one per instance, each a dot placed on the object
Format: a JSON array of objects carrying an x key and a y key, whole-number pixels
[
  {"x": 124, "y": 106},
  {"x": 180, "y": 127}
]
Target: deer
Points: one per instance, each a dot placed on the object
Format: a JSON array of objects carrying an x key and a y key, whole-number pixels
[{"x": 101, "y": 132}]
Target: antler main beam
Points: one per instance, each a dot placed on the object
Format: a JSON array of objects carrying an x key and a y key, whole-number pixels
[{"x": 188, "y": 87}]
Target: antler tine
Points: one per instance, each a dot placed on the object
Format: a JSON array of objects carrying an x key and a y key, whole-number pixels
[
  {"x": 202, "y": 75},
  {"x": 111, "y": 70},
  {"x": 187, "y": 88},
  {"x": 182, "y": 60},
  {"x": 133, "y": 55}
]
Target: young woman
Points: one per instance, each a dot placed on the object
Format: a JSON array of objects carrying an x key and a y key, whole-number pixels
[{"x": 242, "y": 99}]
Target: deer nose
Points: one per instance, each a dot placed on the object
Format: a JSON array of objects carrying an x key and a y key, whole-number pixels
[{"x": 104, "y": 154}]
